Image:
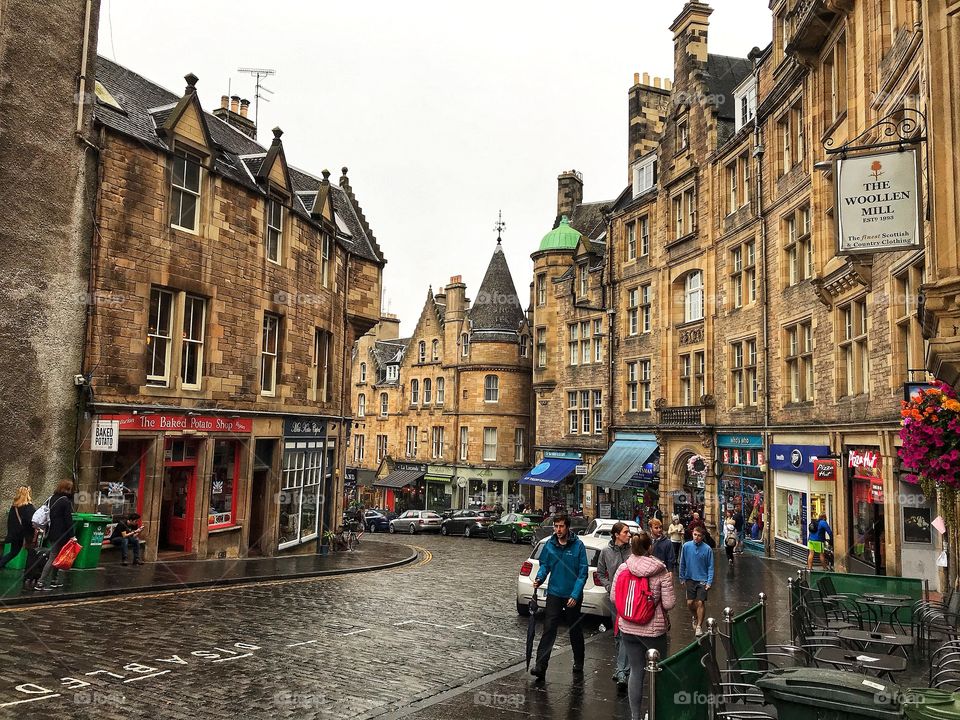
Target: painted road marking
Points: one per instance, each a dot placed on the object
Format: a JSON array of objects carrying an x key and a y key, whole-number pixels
[
  {"x": 355, "y": 632},
  {"x": 21, "y": 702},
  {"x": 144, "y": 677},
  {"x": 305, "y": 642}
]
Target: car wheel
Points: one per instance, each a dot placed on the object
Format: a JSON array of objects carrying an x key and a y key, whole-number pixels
[
  {"x": 371, "y": 528},
  {"x": 490, "y": 534},
  {"x": 392, "y": 528},
  {"x": 412, "y": 530},
  {"x": 514, "y": 538},
  {"x": 523, "y": 609},
  {"x": 466, "y": 532},
  {"x": 443, "y": 530}
]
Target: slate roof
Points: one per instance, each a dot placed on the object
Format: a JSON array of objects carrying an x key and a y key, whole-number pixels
[
  {"x": 146, "y": 106},
  {"x": 587, "y": 219},
  {"x": 724, "y": 73},
  {"x": 496, "y": 314}
]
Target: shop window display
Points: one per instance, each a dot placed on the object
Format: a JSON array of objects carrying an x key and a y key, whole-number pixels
[
  {"x": 121, "y": 477},
  {"x": 223, "y": 484}
]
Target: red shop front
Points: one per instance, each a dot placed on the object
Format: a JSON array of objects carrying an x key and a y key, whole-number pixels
[{"x": 866, "y": 503}]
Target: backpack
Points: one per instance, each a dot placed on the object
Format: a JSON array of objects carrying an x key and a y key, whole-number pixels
[
  {"x": 635, "y": 600},
  {"x": 41, "y": 517},
  {"x": 814, "y": 527}
]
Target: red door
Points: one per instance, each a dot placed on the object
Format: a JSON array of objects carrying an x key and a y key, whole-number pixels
[{"x": 179, "y": 498}]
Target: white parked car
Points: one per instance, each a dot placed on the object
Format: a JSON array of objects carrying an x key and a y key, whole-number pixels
[
  {"x": 602, "y": 527},
  {"x": 595, "y": 600}
]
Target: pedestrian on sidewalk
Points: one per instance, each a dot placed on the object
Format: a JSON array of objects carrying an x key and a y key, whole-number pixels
[
  {"x": 676, "y": 536},
  {"x": 611, "y": 558},
  {"x": 696, "y": 573},
  {"x": 126, "y": 534},
  {"x": 564, "y": 560},
  {"x": 729, "y": 535},
  {"x": 696, "y": 522},
  {"x": 816, "y": 537},
  {"x": 652, "y": 635},
  {"x": 19, "y": 524},
  {"x": 61, "y": 532},
  {"x": 739, "y": 522},
  {"x": 662, "y": 546}
]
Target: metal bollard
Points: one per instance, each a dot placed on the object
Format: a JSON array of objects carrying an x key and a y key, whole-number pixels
[
  {"x": 712, "y": 635},
  {"x": 763, "y": 619},
  {"x": 728, "y": 624},
  {"x": 793, "y": 629},
  {"x": 653, "y": 667}
]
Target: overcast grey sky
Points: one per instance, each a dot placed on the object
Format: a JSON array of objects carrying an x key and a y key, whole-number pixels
[{"x": 445, "y": 112}]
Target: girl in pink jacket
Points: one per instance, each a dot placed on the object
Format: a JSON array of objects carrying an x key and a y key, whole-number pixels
[{"x": 638, "y": 639}]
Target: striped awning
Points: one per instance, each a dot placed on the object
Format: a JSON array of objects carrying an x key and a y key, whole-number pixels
[{"x": 620, "y": 463}]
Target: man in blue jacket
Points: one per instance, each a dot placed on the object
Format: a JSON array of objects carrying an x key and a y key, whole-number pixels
[
  {"x": 564, "y": 560},
  {"x": 696, "y": 573}
]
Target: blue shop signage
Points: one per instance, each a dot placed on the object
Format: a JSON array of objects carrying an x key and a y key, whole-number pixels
[
  {"x": 796, "y": 458},
  {"x": 740, "y": 441}
]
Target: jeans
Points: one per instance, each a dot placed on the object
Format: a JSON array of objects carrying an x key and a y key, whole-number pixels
[
  {"x": 124, "y": 543},
  {"x": 623, "y": 664},
  {"x": 555, "y": 609},
  {"x": 637, "y": 648},
  {"x": 49, "y": 570}
]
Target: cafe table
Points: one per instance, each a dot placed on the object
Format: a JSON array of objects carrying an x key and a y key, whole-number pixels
[
  {"x": 891, "y": 641},
  {"x": 861, "y": 661}
]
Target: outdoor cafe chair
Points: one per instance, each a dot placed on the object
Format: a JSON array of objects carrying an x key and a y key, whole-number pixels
[{"x": 731, "y": 700}]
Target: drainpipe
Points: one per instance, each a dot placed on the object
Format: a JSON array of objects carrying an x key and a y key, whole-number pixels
[
  {"x": 82, "y": 86},
  {"x": 611, "y": 301}
]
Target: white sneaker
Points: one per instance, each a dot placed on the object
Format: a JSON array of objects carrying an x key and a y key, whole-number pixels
[
  {"x": 698, "y": 631},
  {"x": 693, "y": 624}
]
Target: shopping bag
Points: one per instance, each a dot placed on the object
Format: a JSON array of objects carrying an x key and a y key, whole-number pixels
[{"x": 65, "y": 558}]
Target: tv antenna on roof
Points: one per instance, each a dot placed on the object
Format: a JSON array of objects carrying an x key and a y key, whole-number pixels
[{"x": 258, "y": 73}]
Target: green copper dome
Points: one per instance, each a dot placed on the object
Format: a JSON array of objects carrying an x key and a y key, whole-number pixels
[{"x": 562, "y": 237}]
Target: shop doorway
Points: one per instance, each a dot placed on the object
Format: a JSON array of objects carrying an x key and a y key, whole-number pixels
[
  {"x": 179, "y": 496},
  {"x": 263, "y": 455}
]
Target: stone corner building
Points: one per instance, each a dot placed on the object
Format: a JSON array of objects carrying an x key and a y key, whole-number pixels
[
  {"x": 48, "y": 173},
  {"x": 443, "y": 416},
  {"x": 232, "y": 287}
]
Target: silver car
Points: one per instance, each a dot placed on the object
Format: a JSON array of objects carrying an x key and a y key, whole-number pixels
[
  {"x": 414, "y": 521},
  {"x": 595, "y": 600}
]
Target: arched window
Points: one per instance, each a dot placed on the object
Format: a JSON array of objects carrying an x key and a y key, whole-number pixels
[
  {"x": 363, "y": 372},
  {"x": 421, "y": 351},
  {"x": 435, "y": 351},
  {"x": 439, "y": 391},
  {"x": 491, "y": 388},
  {"x": 693, "y": 297},
  {"x": 465, "y": 344},
  {"x": 427, "y": 394},
  {"x": 384, "y": 404},
  {"x": 361, "y": 405},
  {"x": 414, "y": 392}
]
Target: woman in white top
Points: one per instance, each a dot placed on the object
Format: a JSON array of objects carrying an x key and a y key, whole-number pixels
[{"x": 729, "y": 535}]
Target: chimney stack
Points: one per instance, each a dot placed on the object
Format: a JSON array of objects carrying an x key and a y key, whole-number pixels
[
  {"x": 456, "y": 295},
  {"x": 244, "y": 107},
  {"x": 234, "y": 112},
  {"x": 690, "y": 31},
  {"x": 224, "y": 100},
  {"x": 569, "y": 192},
  {"x": 235, "y": 104},
  {"x": 389, "y": 327}
]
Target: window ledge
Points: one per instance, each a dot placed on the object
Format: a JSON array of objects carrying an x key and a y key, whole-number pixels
[
  {"x": 217, "y": 529},
  {"x": 680, "y": 240},
  {"x": 798, "y": 405}
]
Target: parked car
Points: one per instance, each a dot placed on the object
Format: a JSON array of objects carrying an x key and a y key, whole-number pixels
[
  {"x": 414, "y": 521},
  {"x": 515, "y": 527},
  {"x": 595, "y": 600},
  {"x": 377, "y": 520},
  {"x": 578, "y": 524},
  {"x": 602, "y": 527},
  {"x": 469, "y": 523}
]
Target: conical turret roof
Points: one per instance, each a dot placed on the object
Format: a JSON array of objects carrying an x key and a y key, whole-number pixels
[{"x": 496, "y": 314}]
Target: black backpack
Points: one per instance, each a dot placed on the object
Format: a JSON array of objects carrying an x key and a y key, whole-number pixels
[{"x": 814, "y": 527}]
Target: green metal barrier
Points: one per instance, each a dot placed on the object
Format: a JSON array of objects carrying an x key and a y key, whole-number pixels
[
  {"x": 746, "y": 643},
  {"x": 679, "y": 688},
  {"x": 915, "y": 588}
]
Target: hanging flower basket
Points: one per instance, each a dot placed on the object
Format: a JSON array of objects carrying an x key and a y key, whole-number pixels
[
  {"x": 697, "y": 467},
  {"x": 930, "y": 432}
]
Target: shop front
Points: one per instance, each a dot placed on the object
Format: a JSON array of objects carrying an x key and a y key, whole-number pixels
[
  {"x": 740, "y": 484},
  {"x": 555, "y": 482},
  {"x": 358, "y": 487},
  {"x": 401, "y": 486},
  {"x": 691, "y": 497},
  {"x": 306, "y": 480},
  {"x": 184, "y": 474},
  {"x": 624, "y": 474},
  {"x": 797, "y": 497},
  {"x": 439, "y": 486},
  {"x": 866, "y": 501}
]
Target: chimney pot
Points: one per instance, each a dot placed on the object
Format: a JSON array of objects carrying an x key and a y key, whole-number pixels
[
  {"x": 667, "y": 84},
  {"x": 656, "y": 82},
  {"x": 646, "y": 78},
  {"x": 235, "y": 103},
  {"x": 224, "y": 101},
  {"x": 636, "y": 78},
  {"x": 244, "y": 108}
]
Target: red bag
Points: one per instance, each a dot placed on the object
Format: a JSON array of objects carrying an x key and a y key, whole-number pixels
[
  {"x": 635, "y": 601},
  {"x": 66, "y": 556}
]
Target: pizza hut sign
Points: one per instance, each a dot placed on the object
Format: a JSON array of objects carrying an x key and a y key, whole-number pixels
[
  {"x": 864, "y": 459},
  {"x": 825, "y": 470}
]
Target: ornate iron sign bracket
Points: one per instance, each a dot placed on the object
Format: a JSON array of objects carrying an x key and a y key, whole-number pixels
[{"x": 905, "y": 127}]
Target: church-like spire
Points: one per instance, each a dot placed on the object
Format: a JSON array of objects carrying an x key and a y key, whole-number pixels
[{"x": 496, "y": 314}]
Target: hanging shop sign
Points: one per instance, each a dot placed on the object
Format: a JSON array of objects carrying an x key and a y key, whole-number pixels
[
  {"x": 825, "y": 470},
  {"x": 106, "y": 436},
  {"x": 878, "y": 202}
]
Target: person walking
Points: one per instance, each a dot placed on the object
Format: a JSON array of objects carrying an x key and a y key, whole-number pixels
[
  {"x": 662, "y": 546},
  {"x": 696, "y": 522},
  {"x": 639, "y": 638},
  {"x": 564, "y": 560},
  {"x": 611, "y": 558},
  {"x": 816, "y": 537},
  {"x": 741, "y": 530},
  {"x": 19, "y": 524},
  {"x": 676, "y": 536},
  {"x": 696, "y": 573},
  {"x": 60, "y": 533},
  {"x": 730, "y": 535}
]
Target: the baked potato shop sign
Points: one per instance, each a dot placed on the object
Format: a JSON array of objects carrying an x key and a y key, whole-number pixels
[{"x": 878, "y": 202}]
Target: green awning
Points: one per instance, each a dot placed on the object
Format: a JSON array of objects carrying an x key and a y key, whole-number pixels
[{"x": 622, "y": 460}]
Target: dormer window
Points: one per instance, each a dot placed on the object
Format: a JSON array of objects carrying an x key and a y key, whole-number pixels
[
  {"x": 274, "y": 230},
  {"x": 745, "y": 101},
  {"x": 644, "y": 174},
  {"x": 185, "y": 191},
  {"x": 393, "y": 372},
  {"x": 584, "y": 281}
]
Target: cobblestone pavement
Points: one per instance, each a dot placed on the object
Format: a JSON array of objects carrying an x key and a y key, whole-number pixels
[{"x": 358, "y": 646}]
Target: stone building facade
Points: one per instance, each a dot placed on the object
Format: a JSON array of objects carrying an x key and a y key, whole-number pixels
[
  {"x": 235, "y": 285},
  {"x": 744, "y": 345},
  {"x": 442, "y": 418},
  {"x": 48, "y": 172}
]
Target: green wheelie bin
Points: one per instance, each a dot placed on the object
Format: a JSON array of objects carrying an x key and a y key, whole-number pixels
[
  {"x": 19, "y": 562},
  {"x": 89, "y": 529},
  {"x": 931, "y": 704},
  {"x": 807, "y": 693}
]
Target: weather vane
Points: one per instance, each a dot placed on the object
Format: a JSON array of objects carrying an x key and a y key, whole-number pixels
[{"x": 500, "y": 225}]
